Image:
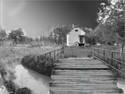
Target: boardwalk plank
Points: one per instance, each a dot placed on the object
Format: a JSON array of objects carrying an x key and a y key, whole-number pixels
[{"x": 83, "y": 76}]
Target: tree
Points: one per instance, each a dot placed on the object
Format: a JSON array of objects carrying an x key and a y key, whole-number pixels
[
  {"x": 26, "y": 39},
  {"x": 16, "y": 35},
  {"x": 3, "y": 35},
  {"x": 24, "y": 90},
  {"x": 104, "y": 34},
  {"x": 59, "y": 33},
  {"x": 113, "y": 15},
  {"x": 10, "y": 86},
  {"x": 90, "y": 36}
]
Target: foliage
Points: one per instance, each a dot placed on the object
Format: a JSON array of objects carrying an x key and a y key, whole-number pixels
[
  {"x": 16, "y": 35},
  {"x": 3, "y": 35},
  {"x": 24, "y": 90},
  {"x": 45, "y": 38},
  {"x": 120, "y": 31},
  {"x": 59, "y": 33},
  {"x": 42, "y": 64},
  {"x": 2, "y": 71},
  {"x": 10, "y": 86},
  {"x": 104, "y": 34},
  {"x": 113, "y": 15},
  {"x": 26, "y": 39},
  {"x": 90, "y": 38},
  {"x": 111, "y": 12}
]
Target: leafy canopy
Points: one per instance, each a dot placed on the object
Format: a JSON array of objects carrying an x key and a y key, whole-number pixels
[
  {"x": 16, "y": 34},
  {"x": 113, "y": 15},
  {"x": 3, "y": 34}
]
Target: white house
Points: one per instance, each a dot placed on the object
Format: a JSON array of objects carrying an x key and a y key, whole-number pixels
[{"x": 76, "y": 36}]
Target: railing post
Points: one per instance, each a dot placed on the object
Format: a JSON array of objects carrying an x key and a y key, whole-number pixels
[
  {"x": 98, "y": 52},
  {"x": 91, "y": 52},
  {"x": 94, "y": 52},
  {"x": 50, "y": 54},
  {"x": 63, "y": 51},
  {"x": 104, "y": 53},
  {"x": 59, "y": 53},
  {"x": 45, "y": 54},
  {"x": 111, "y": 58},
  {"x": 54, "y": 55}
]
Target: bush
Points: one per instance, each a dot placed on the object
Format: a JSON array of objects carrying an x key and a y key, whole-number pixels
[
  {"x": 2, "y": 71},
  {"x": 91, "y": 40},
  {"x": 10, "y": 86},
  {"x": 24, "y": 90},
  {"x": 42, "y": 64}
]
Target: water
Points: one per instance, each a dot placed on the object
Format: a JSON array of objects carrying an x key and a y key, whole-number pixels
[{"x": 39, "y": 84}]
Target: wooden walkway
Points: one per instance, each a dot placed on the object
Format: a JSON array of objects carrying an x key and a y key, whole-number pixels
[{"x": 83, "y": 76}]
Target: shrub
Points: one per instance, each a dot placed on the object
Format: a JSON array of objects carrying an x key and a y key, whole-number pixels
[
  {"x": 24, "y": 90},
  {"x": 10, "y": 86},
  {"x": 2, "y": 71},
  {"x": 42, "y": 64}
]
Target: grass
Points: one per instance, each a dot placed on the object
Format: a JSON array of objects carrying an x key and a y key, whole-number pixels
[
  {"x": 77, "y": 52},
  {"x": 115, "y": 48},
  {"x": 12, "y": 56}
]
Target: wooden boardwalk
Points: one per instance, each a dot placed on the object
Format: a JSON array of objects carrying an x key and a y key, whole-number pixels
[{"x": 83, "y": 76}]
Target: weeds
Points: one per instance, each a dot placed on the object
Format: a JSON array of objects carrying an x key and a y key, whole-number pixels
[{"x": 41, "y": 64}]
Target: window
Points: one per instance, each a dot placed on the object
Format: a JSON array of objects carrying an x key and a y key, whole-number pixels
[{"x": 76, "y": 30}]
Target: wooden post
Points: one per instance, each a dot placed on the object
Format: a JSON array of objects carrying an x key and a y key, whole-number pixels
[
  {"x": 45, "y": 54},
  {"x": 63, "y": 51},
  {"x": 112, "y": 58},
  {"x": 54, "y": 55},
  {"x": 50, "y": 54},
  {"x": 104, "y": 53},
  {"x": 93, "y": 52},
  {"x": 98, "y": 52}
]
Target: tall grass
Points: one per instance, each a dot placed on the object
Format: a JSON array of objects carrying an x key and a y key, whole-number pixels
[
  {"x": 12, "y": 56},
  {"x": 39, "y": 63}
]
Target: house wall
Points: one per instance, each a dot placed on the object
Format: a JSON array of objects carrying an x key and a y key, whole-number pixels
[{"x": 73, "y": 36}]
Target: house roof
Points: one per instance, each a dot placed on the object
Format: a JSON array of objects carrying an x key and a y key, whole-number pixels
[{"x": 76, "y": 29}]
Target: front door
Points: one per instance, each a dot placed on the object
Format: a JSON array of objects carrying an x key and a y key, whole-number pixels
[{"x": 81, "y": 37}]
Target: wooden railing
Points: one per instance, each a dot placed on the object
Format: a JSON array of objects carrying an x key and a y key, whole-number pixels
[
  {"x": 55, "y": 54},
  {"x": 111, "y": 58}
]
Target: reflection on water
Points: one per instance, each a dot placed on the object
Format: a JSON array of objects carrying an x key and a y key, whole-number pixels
[
  {"x": 27, "y": 78},
  {"x": 121, "y": 84}
]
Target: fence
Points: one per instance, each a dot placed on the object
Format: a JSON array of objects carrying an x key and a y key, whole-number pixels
[
  {"x": 56, "y": 54},
  {"x": 112, "y": 59}
]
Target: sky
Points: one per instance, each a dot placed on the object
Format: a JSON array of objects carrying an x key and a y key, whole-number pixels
[{"x": 37, "y": 17}]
